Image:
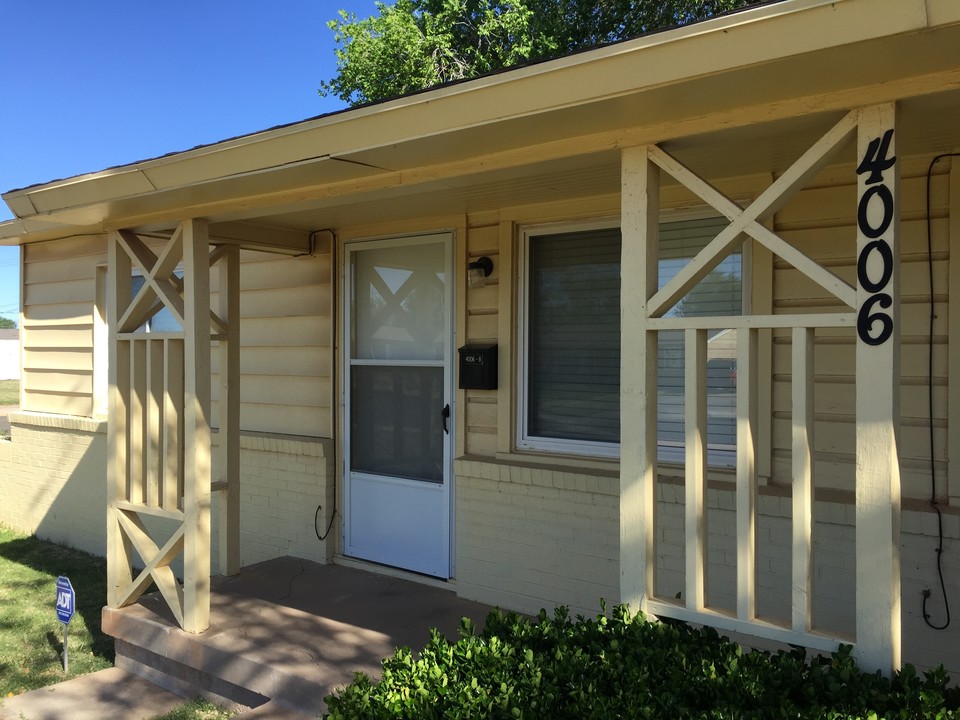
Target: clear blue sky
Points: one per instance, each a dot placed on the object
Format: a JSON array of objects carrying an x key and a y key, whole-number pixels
[{"x": 88, "y": 85}]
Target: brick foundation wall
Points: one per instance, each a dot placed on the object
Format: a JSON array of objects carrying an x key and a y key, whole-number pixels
[
  {"x": 283, "y": 481},
  {"x": 526, "y": 537},
  {"x": 530, "y": 537},
  {"x": 53, "y": 484},
  {"x": 53, "y": 476}
]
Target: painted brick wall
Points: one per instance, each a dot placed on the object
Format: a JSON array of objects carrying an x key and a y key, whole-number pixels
[
  {"x": 529, "y": 537},
  {"x": 53, "y": 484},
  {"x": 282, "y": 483}
]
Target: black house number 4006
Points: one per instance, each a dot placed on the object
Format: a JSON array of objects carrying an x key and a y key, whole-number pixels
[{"x": 875, "y": 162}]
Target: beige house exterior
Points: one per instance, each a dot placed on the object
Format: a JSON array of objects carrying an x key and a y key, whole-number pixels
[{"x": 759, "y": 457}]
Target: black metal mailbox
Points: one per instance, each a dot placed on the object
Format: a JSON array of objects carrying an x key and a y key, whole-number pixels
[{"x": 478, "y": 366}]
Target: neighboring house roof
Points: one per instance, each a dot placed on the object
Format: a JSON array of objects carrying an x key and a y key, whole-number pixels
[
  {"x": 680, "y": 82},
  {"x": 9, "y": 334}
]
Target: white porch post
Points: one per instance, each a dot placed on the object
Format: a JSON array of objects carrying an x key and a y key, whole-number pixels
[
  {"x": 640, "y": 223},
  {"x": 196, "y": 480},
  {"x": 119, "y": 556},
  {"x": 878, "y": 392}
]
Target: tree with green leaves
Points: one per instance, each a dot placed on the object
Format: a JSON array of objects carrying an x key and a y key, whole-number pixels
[
  {"x": 6, "y": 323},
  {"x": 411, "y": 45}
]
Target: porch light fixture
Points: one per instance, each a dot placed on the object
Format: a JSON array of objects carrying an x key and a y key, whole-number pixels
[{"x": 478, "y": 271}]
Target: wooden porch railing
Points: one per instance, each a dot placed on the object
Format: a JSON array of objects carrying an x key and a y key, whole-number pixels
[
  {"x": 873, "y": 311},
  {"x": 159, "y": 466}
]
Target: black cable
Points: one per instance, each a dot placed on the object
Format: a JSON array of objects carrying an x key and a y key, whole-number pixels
[
  {"x": 933, "y": 475},
  {"x": 316, "y": 517}
]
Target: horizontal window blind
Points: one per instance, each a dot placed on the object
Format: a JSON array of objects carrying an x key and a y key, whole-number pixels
[
  {"x": 573, "y": 351},
  {"x": 573, "y": 335}
]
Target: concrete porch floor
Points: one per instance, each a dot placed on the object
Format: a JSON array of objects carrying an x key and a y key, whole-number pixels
[{"x": 285, "y": 630}]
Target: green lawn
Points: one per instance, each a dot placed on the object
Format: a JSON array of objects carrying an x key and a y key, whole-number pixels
[
  {"x": 197, "y": 710},
  {"x": 31, "y": 637},
  {"x": 9, "y": 392}
]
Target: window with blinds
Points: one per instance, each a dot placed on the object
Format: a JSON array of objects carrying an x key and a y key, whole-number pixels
[{"x": 570, "y": 399}]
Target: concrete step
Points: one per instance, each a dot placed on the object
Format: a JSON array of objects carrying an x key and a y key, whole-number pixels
[
  {"x": 285, "y": 630},
  {"x": 225, "y": 669}
]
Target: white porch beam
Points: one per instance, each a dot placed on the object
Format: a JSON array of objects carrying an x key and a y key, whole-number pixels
[
  {"x": 640, "y": 228},
  {"x": 257, "y": 237},
  {"x": 878, "y": 392}
]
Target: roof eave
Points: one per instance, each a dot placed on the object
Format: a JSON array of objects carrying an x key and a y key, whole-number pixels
[{"x": 758, "y": 35}]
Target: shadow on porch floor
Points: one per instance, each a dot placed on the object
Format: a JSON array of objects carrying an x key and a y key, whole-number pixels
[{"x": 287, "y": 630}]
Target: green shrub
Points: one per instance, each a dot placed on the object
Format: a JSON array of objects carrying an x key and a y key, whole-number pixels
[{"x": 623, "y": 666}]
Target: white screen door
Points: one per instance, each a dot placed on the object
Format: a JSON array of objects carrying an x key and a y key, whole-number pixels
[{"x": 398, "y": 348}]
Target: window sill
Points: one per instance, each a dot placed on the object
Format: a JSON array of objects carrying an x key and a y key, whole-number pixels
[
  {"x": 666, "y": 468},
  {"x": 559, "y": 461}
]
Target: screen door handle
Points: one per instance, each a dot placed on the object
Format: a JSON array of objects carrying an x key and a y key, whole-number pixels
[{"x": 445, "y": 413}]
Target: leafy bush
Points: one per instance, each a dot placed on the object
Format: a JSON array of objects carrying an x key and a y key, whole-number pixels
[{"x": 623, "y": 666}]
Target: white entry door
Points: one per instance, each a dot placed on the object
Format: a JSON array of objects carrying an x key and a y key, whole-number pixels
[{"x": 397, "y": 390}]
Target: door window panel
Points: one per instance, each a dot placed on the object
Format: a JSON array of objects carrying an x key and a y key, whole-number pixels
[
  {"x": 396, "y": 426},
  {"x": 399, "y": 304}
]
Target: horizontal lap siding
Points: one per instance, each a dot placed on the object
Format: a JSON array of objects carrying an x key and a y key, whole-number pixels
[
  {"x": 483, "y": 239},
  {"x": 820, "y": 221},
  {"x": 285, "y": 335},
  {"x": 286, "y": 354},
  {"x": 58, "y": 301}
]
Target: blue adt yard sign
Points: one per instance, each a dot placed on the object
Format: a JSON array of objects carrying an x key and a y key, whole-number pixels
[
  {"x": 66, "y": 600},
  {"x": 66, "y": 606}
]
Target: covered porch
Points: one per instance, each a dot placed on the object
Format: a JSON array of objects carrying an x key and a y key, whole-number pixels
[{"x": 823, "y": 185}]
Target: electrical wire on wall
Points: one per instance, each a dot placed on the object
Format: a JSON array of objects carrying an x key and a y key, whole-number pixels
[
  {"x": 933, "y": 475},
  {"x": 333, "y": 515},
  {"x": 333, "y": 379}
]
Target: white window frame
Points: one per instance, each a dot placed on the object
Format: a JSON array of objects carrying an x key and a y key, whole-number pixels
[
  {"x": 525, "y": 441},
  {"x": 669, "y": 452}
]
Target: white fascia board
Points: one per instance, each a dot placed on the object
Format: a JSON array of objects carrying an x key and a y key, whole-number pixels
[
  {"x": 11, "y": 231},
  {"x": 17, "y": 231}
]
